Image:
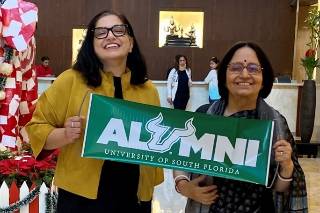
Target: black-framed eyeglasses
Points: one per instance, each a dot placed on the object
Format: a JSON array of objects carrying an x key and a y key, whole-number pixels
[
  {"x": 238, "y": 67},
  {"x": 117, "y": 30}
]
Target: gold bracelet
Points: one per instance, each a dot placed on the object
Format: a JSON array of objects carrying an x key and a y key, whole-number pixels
[{"x": 284, "y": 179}]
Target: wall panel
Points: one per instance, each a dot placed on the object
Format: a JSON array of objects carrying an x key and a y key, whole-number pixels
[{"x": 270, "y": 23}]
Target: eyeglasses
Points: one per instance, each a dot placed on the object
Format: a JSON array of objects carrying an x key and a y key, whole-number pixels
[
  {"x": 117, "y": 30},
  {"x": 252, "y": 68}
]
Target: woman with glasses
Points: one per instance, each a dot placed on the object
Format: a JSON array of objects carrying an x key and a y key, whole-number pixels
[
  {"x": 245, "y": 78},
  {"x": 109, "y": 63},
  {"x": 178, "y": 83}
]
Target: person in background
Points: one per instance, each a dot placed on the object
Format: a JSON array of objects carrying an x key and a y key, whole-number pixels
[
  {"x": 212, "y": 80},
  {"x": 109, "y": 63},
  {"x": 43, "y": 69},
  {"x": 245, "y": 78},
  {"x": 179, "y": 83}
]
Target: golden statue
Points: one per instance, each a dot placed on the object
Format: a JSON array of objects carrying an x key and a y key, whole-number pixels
[
  {"x": 192, "y": 34},
  {"x": 172, "y": 28}
]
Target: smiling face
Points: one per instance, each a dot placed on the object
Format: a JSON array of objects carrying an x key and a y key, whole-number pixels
[
  {"x": 112, "y": 48},
  {"x": 243, "y": 84}
]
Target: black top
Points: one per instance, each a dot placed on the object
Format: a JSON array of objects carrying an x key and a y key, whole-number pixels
[
  {"x": 119, "y": 181},
  {"x": 117, "y": 87},
  {"x": 183, "y": 84}
]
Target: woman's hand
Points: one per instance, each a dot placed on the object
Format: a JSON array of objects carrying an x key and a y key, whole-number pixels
[
  {"x": 202, "y": 194},
  {"x": 60, "y": 137},
  {"x": 72, "y": 129},
  {"x": 169, "y": 99},
  {"x": 283, "y": 152}
]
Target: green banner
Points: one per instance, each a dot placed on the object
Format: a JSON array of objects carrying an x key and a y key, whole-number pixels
[{"x": 219, "y": 146}]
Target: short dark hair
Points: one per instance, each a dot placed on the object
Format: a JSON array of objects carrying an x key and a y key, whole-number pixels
[
  {"x": 177, "y": 57},
  {"x": 44, "y": 58},
  {"x": 267, "y": 71},
  {"x": 89, "y": 65},
  {"x": 214, "y": 59}
]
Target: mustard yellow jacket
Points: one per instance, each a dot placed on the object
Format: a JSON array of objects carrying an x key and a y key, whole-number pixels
[{"x": 62, "y": 100}]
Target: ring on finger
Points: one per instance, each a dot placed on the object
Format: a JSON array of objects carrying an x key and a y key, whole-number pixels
[{"x": 281, "y": 153}]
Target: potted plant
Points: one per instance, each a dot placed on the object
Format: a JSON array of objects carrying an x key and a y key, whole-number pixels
[{"x": 310, "y": 62}]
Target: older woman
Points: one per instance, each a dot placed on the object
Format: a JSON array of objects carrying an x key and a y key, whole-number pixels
[
  {"x": 245, "y": 78},
  {"x": 109, "y": 63}
]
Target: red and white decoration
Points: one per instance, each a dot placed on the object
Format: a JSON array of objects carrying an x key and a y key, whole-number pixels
[{"x": 18, "y": 20}]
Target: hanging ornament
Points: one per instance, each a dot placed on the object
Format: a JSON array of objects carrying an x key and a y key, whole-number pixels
[
  {"x": 2, "y": 95},
  {"x": 6, "y": 67}
]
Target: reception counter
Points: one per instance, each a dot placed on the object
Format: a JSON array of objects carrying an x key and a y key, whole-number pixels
[
  {"x": 283, "y": 97},
  {"x": 44, "y": 83}
]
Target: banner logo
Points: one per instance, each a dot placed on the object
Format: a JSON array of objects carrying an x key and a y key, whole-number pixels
[{"x": 136, "y": 133}]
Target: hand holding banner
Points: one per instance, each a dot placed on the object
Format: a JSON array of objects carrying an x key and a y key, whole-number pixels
[{"x": 232, "y": 148}]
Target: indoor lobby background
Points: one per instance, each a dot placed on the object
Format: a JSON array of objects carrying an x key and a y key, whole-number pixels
[{"x": 276, "y": 25}]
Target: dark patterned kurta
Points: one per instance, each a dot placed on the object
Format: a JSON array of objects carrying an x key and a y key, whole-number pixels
[
  {"x": 236, "y": 196},
  {"x": 239, "y": 196}
]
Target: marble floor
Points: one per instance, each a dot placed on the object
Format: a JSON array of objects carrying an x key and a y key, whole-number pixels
[
  {"x": 167, "y": 200},
  {"x": 311, "y": 168}
]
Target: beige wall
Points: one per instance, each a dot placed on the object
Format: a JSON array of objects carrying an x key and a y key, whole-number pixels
[{"x": 270, "y": 23}]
